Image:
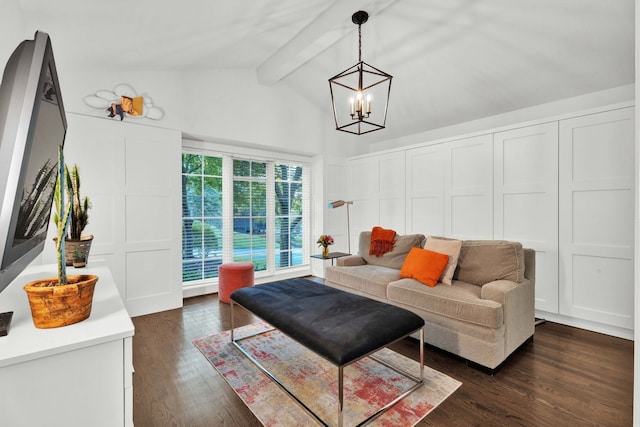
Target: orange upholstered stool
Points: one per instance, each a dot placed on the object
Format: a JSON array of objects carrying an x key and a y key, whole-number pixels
[{"x": 232, "y": 276}]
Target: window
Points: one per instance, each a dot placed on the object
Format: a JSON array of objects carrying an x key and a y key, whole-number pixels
[
  {"x": 250, "y": 212},
  {"x": 288, "y": 214},
  {"x": 237, "y": 209},
  {"x": 201, "y": 216}
]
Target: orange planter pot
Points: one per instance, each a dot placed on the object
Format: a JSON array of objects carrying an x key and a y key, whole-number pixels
[{"x": 53, "y": 306}]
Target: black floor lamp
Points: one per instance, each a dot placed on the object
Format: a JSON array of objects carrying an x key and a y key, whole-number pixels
[{"x": 337, "y": 204}]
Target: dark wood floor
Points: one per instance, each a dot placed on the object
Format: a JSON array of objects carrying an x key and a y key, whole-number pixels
[{"x": 566, "y": 377}]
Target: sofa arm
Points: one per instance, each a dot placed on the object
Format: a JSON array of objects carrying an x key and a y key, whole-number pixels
[
  {"x": 350, "y": 261},
  {"x": 518, "y": 305},
  {"x": 497, "y": 290}
]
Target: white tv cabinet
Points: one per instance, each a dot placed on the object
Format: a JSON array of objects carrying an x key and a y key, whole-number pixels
[{"x": 77, "y": 375}]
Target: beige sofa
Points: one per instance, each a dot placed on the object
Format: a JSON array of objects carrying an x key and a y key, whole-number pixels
[{"x": 486, "y": 312}]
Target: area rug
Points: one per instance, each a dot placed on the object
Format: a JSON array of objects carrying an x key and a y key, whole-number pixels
[{"x": 368, "y": 385}]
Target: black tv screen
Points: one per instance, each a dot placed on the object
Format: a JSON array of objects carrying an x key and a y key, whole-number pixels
[{"x": 32, "y": 127}]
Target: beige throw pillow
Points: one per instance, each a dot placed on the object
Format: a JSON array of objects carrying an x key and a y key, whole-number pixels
[
  {"x": 449, "y": 247},
  {"x": 483, "y": 261}
]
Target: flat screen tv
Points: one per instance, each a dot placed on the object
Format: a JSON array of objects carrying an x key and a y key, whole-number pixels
[{"x": 32, "y": 127}]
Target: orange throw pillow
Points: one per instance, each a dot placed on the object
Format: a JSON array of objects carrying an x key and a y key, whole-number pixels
[{"x": 424, "y": 265}]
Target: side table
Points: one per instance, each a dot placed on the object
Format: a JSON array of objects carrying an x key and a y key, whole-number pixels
[{"x": 331, "y": 256}]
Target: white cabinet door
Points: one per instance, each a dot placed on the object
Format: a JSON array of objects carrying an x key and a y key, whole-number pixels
[
  {"x": 526, "y": 200},
  {"x": 76, "y": 388},
  {"x": 597, "y": 217}
]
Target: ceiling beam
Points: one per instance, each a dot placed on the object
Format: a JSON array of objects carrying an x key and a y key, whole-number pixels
[{"x": 332, "y": 25}]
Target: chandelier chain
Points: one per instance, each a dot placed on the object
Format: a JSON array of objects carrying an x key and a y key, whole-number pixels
[{"x": 359, "y": 42}]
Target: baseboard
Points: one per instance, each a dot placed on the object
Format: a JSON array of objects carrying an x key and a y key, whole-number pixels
[{"x": 586, "y": 324}]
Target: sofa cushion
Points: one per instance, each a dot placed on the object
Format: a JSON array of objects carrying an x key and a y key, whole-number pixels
[
  {"x": 459, "y": 301},
  {"x": 367, "y": 279},
  {"x": 483, "y": 261},
  {"x": 424, "y": 265},
  {"x": 394, "y": 258},
  {"x": 449, "y": 247}
]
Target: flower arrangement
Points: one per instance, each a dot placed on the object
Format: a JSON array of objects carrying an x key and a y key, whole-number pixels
[{"x": 325, "y": 240}]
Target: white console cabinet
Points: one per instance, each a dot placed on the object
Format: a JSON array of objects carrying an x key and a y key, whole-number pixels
[{"x": 77, "y": 375}]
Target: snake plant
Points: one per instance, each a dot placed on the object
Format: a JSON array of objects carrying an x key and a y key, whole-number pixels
[{"x": 79, "y": 206}]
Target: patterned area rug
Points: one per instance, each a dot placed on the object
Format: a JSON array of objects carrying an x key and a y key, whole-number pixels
[{"x": 368, "y": 385}]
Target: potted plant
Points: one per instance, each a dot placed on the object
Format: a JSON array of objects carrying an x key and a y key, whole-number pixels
[
  {"x": 79, "y": 216},
  {"x": 64, "y": 300},
  {"x": 79, "y": 259}
]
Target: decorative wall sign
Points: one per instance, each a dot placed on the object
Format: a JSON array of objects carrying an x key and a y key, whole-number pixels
[{"x": 123, "y": 102}]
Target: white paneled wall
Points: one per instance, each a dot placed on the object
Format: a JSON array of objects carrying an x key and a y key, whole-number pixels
[
  {"x": 391, "y": 184},
  {"x": 562, "y": 187},
  {"x": 425, "y": 190},
  {"x": 362, "y": 185},
  {"x": 597, "y": 191},
  {"x": 447, "y": 181},
  {"x": 150, "y": 217},
  {"x": 336, "y": 224},
  {"x": 377, "y": 187},
  {"x": 468, "y": 186},
  {"x": 526, "y": 200}
]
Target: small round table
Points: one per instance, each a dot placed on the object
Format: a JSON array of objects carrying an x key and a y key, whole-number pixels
[{"x": 232, "y": 276}]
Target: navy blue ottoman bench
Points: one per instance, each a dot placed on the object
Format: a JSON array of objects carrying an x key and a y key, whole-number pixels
[{"x": 339, "y": 326}]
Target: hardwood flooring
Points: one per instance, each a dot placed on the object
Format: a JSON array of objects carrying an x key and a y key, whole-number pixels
[{"x": 565, "y": 377}]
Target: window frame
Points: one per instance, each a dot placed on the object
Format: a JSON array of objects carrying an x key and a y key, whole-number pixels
[{"x": 227, "y": 212}]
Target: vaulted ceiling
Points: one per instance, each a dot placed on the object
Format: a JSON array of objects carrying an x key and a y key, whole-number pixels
[{"x": 452, "y": 60}]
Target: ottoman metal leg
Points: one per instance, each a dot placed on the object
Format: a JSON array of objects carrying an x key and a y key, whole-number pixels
[{"x": 340, "y": 395}]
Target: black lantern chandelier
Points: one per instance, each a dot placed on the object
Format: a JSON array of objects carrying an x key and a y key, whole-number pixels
[{"x": 360, "y": 94}]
